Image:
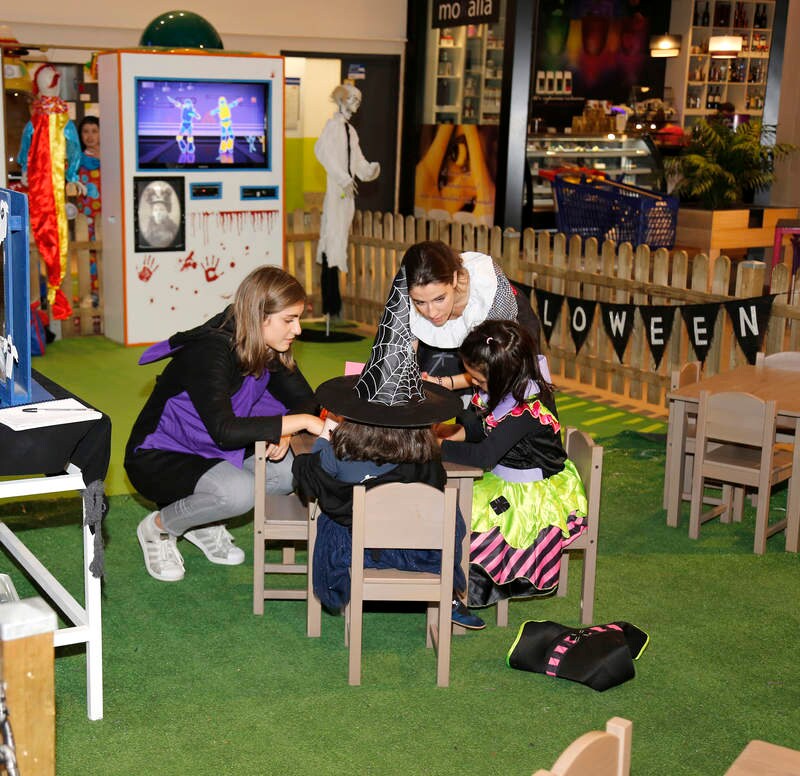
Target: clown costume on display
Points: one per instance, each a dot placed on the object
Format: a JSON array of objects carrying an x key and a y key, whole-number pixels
[{"x": 50, "y": 155}]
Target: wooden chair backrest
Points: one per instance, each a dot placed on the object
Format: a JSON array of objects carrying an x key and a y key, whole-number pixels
[
  {"x": 588, "y": 459},
  {"x": 597, "y": 753},
  {"x": 403, "y": 515},
  {"x": 737, "y": 418},
  {"x": 689, "y": 373},
  {"x": 786, "y": 359}
]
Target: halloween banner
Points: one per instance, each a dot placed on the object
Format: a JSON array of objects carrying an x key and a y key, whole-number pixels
[{"x": 749, "y": 318}]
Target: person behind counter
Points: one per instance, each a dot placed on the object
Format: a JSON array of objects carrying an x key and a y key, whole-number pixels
[{"x": 231, "y": 382}]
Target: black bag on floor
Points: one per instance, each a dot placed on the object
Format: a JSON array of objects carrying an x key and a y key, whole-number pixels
[{"x": 600, "y": 656}]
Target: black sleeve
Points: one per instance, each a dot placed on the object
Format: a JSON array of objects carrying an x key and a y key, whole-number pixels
[
  {"x": 526, "y": 317},
  {"x": 487, "y": 453},
  {"x": 211, "y": 376},
  {"x": 292, "y": 389},
  {"x": 472, "y": 423}
]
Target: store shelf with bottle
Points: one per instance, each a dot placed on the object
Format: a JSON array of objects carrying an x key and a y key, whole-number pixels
[
  {"x": 702, "y": 82},
  {"x": 464, "y": 75}
]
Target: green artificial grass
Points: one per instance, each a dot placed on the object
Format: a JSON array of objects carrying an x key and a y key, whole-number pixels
[{"x": 196, "y": 684}]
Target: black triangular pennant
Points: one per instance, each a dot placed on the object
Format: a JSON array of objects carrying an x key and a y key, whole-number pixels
[
  {"x": 549, "y": 306},
  {"x": 618, "y": 323},
  {"x": 749, "y": 318},
  {"x": 658, "y": 320},
  {"x": 581, "y": 315},
  {"x": 700, "y": 320}
]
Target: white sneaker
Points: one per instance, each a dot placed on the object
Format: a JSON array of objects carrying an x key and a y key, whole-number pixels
[
  {"x": 162, "y": 559},
  {"x": 217, "y": 544}
]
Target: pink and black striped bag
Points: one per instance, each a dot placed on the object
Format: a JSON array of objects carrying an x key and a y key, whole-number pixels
[{"x": 600, "y": 656}]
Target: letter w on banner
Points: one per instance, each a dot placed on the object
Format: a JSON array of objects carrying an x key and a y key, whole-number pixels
[{"x": 618, "y": 323}]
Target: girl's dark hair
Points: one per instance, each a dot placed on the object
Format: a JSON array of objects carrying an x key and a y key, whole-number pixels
[
  {"x": 84, "y": 121},
  {"x": 431, "y": 262},
  {"x": 265, "y": 291},
  {"x": 382, "y": 444},
  {"x": 509, "y": 357}
]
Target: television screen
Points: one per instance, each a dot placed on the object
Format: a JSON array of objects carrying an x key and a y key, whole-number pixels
[{"x": 202, "y": 124}]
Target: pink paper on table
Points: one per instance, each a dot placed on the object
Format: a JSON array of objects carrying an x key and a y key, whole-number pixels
[{"x": 353, "y": 368}]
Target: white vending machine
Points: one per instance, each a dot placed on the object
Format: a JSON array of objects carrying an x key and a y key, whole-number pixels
[{"x": 192, "y": 184}]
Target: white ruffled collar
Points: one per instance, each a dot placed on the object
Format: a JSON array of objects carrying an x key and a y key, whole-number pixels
[{"x": 482, "y": 291}]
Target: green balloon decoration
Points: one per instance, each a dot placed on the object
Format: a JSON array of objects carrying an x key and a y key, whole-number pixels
[{"x": 181, "y": 29}]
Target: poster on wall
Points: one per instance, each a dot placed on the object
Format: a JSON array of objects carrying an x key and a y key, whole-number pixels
[
  {"x": 159, "y": 222},
  {"x": 456, "y": 173},
  {"x": 599, "y": 47}
]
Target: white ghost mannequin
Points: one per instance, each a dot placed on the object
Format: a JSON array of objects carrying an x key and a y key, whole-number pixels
[{"x": 339, "y": 206}]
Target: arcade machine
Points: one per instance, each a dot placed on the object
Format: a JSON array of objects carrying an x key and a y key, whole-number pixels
[{"x": 192, "y": 168}]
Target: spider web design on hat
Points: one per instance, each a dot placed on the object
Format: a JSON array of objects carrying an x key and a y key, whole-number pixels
[{"x": 391, "y": 376}]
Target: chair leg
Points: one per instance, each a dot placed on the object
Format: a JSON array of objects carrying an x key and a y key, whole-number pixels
[
  {"x": 313, "y": 608},
  {"x": 502, "y": 613},
  {"x": 356, "y": 612},
  {"x": 258, "y": 568},
  {"x": 443, "y": 646},
  {"x": 587, "y": 583},
  {"x": 762, "y": 520},
  {"x": 727, "y": 501},
  {"x": 431, "y": 625},
  {"x": 563, "y": 576},
  {"x": 696, "y": 505}
]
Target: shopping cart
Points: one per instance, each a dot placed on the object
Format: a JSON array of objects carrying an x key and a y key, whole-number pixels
[{"x": 609, "y": 210}]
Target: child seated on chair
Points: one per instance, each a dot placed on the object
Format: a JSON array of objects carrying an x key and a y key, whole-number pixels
[
  {"x": 384, "y": 435},
  {"x": 530, "y": 502}
]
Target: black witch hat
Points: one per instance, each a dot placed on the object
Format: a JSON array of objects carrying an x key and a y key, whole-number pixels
[{"x": 390, "y": 391}]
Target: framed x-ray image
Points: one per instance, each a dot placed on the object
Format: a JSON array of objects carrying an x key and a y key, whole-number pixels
[{"x": 159, "y": 216}]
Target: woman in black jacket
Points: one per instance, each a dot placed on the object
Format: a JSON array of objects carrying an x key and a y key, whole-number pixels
[{"x": 231, "y": 382}]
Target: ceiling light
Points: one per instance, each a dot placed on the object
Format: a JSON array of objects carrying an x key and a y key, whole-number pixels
[
  {"x": 665, "y": 45},
  {"x": 725, "y": 46}
]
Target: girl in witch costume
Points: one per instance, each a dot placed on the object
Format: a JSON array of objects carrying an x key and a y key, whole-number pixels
[
  {"x": 530, "y": 502},
  {"x": 384, "y": 435}
]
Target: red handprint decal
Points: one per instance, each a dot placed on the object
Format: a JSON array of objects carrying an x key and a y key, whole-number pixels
[
  {"x": 147, "y": 268},
  {"x": 210, "y": 268},
  {"x": 188, "y": 263}
]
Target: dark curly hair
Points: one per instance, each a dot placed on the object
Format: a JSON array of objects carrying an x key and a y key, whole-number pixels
[{"x": 509, "y": 357}]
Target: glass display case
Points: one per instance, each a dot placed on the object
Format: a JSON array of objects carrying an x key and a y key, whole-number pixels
[{"x": 628, "y": 158}]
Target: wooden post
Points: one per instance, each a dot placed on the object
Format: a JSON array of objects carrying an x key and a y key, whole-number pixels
[{"x": 26, "y": 659}]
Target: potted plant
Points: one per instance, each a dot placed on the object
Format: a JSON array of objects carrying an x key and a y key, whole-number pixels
[
  {"x": 722, "y": 166},
  {"x": 721, "y": 169}
]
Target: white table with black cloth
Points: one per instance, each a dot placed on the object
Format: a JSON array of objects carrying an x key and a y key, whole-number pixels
[{"x": 57, "y": 459}]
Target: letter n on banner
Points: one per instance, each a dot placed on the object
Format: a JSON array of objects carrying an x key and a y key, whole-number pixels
[
  {"x": 581, "y": 315},
  {"x": 549, "y": 306},
  {"x": 618, "y": 323},
  {"x": 750, "y": 318},
  {"x": 700, "y": 320},
  {"x": 658, "y": 321}
]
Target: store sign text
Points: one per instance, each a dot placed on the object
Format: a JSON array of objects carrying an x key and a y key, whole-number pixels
[{"x": 455, "y": 13}]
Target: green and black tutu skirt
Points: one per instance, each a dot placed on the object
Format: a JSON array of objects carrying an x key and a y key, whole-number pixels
[{"x": 517, "y": 553}]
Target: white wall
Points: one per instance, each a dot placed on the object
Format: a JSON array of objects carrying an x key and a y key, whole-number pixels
[
  {"x": 267, "y": 26},
  {"x": 318, "y": 78}
]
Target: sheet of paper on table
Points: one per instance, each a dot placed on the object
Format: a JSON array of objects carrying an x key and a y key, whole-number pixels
[{"x": 48, "y": 413}]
